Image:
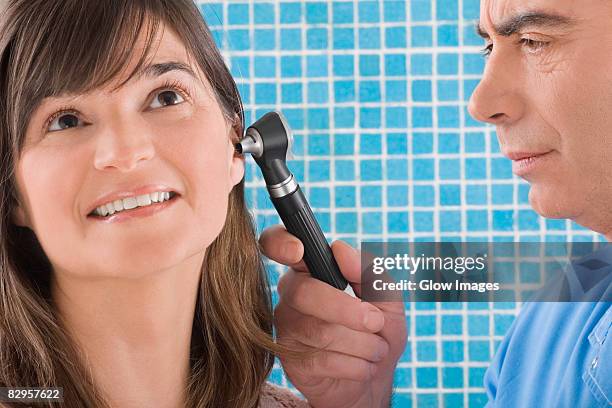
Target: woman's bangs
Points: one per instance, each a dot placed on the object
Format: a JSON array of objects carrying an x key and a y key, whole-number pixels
[{"x": 83, "y": 59}]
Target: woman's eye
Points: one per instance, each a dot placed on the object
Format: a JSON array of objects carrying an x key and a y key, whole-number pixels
[
  {"x": 167, "y": 98},
  {"x": 67, "y": 118},
  {"x": 64, "y": 121}
]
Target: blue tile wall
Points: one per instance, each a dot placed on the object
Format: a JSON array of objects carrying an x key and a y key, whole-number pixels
[{"x": 376, "y": 93}]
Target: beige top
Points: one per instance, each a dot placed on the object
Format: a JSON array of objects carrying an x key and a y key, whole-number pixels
[{"x": 273, "y": 396}]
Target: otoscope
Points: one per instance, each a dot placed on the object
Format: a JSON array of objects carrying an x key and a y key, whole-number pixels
[{"x": 269, "y": 140}]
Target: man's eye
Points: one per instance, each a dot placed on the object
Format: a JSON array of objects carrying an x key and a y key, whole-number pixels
[
  {"x": 533, "y": 46},
  {"x": 167, "y": 98},
  {"x": 486, "y": 51}
]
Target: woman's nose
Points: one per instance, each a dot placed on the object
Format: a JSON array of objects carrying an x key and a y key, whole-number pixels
[
  {"x": 123, "y": 145},
  {"x": 497, "y": 99}
]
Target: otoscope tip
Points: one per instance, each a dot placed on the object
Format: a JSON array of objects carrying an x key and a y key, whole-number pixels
[{"x": 238, "y": 148}]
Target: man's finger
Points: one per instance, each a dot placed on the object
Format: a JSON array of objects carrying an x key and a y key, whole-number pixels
[
  {"x": 349, "y": 263},
  {"x": 319, "y": 334},
  {"x": 281, "y": 246},
  {"x": 330, "y": 364},
  {"x": 318, "y": 299}
]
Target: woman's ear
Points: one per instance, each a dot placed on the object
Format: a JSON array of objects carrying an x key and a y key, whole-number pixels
[
  {"x": 237, "y": 161},
  {"x": 19, "y": 216},
  {"x": 237, "y": 168}
]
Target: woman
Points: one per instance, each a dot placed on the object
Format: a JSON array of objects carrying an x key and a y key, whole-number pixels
[{"x": 129, "y": 269}]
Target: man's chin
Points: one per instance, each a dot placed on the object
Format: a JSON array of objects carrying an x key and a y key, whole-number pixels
[{"x": 552, "y": 203}]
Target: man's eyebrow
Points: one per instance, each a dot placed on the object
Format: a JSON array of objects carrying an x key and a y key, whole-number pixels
[{"x": 530, "y": 19}]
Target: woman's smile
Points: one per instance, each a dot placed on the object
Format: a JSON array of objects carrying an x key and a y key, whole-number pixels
[{"x": 138, "y": 211}]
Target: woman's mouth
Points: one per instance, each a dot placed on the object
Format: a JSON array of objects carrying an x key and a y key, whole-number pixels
[{"x": 134, "y": 210}]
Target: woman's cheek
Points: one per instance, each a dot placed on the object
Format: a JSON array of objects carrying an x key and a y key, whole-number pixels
[
  {"x": 201, "y": 156},
  {"x": 48, "y": 181}
]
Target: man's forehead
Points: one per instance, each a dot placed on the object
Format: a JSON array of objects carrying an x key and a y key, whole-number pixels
[
  {"x": 503, "y": 8},
  {"x": 507, "y": 17}
]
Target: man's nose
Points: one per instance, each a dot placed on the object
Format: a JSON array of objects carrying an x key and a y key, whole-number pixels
[
  {"x": 497, "y": 98},
  {"x": 124, "y": 145}
]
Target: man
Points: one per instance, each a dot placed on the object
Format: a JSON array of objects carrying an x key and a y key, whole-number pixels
[{"x": 547, "y": 88}]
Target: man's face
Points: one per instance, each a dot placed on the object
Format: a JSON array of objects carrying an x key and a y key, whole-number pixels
[{"x": 547, "y": 87}]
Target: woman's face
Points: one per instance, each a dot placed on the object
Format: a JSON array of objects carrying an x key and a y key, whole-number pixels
[{"x": 146, "y": 133}]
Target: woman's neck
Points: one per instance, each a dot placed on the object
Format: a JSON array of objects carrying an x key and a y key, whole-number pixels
[{"x": 134, "y": 334}]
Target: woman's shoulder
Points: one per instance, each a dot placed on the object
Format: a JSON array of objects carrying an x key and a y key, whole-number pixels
[{"x": 273, "y": 396}]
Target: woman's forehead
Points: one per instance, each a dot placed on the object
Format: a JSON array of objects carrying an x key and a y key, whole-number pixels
[
  {"x": 167, "y": 53},
  {"x": 166, "y": 47},
  {"x": 165, "y": 43},
  {"x": 154, "y": 44}
]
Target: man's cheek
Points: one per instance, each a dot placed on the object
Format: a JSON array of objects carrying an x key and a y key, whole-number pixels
[{"x": 552, "y": 63}]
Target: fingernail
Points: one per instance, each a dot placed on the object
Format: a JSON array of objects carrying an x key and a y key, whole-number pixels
[
  {"x": 374, "y": 320},
  {"x": 290, "y": 249}
]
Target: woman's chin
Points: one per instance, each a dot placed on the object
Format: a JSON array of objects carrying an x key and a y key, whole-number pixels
[{"x": 137, "y": 264}]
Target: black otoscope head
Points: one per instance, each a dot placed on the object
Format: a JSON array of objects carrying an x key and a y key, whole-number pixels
[{"x": 269, "y": 140}]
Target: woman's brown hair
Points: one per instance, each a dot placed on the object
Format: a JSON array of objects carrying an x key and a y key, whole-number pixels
[{"x": 52, "y": 47}]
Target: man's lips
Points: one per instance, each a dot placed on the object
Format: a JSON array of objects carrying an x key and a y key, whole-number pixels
[
  {"x": 517, "y": 156},
  {"x": 525, "y": 163}
]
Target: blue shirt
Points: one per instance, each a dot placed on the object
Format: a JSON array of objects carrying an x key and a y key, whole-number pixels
[{"x": 556, "y": 354}]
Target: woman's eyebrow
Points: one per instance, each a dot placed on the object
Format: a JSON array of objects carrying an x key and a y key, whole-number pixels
[
  {"x": 155, "y": 70},
  {"x": 152, "y": 71},
  {"x": 147, "y": 71}
]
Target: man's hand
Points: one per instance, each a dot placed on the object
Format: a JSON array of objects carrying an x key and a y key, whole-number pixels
[{"x": 361, "y": 342}]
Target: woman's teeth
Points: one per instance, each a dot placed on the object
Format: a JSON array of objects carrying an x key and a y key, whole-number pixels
[{"x": 133, "y": 202}]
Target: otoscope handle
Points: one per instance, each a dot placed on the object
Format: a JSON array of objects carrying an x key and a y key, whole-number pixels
[{"x": 300, "y": 221}]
